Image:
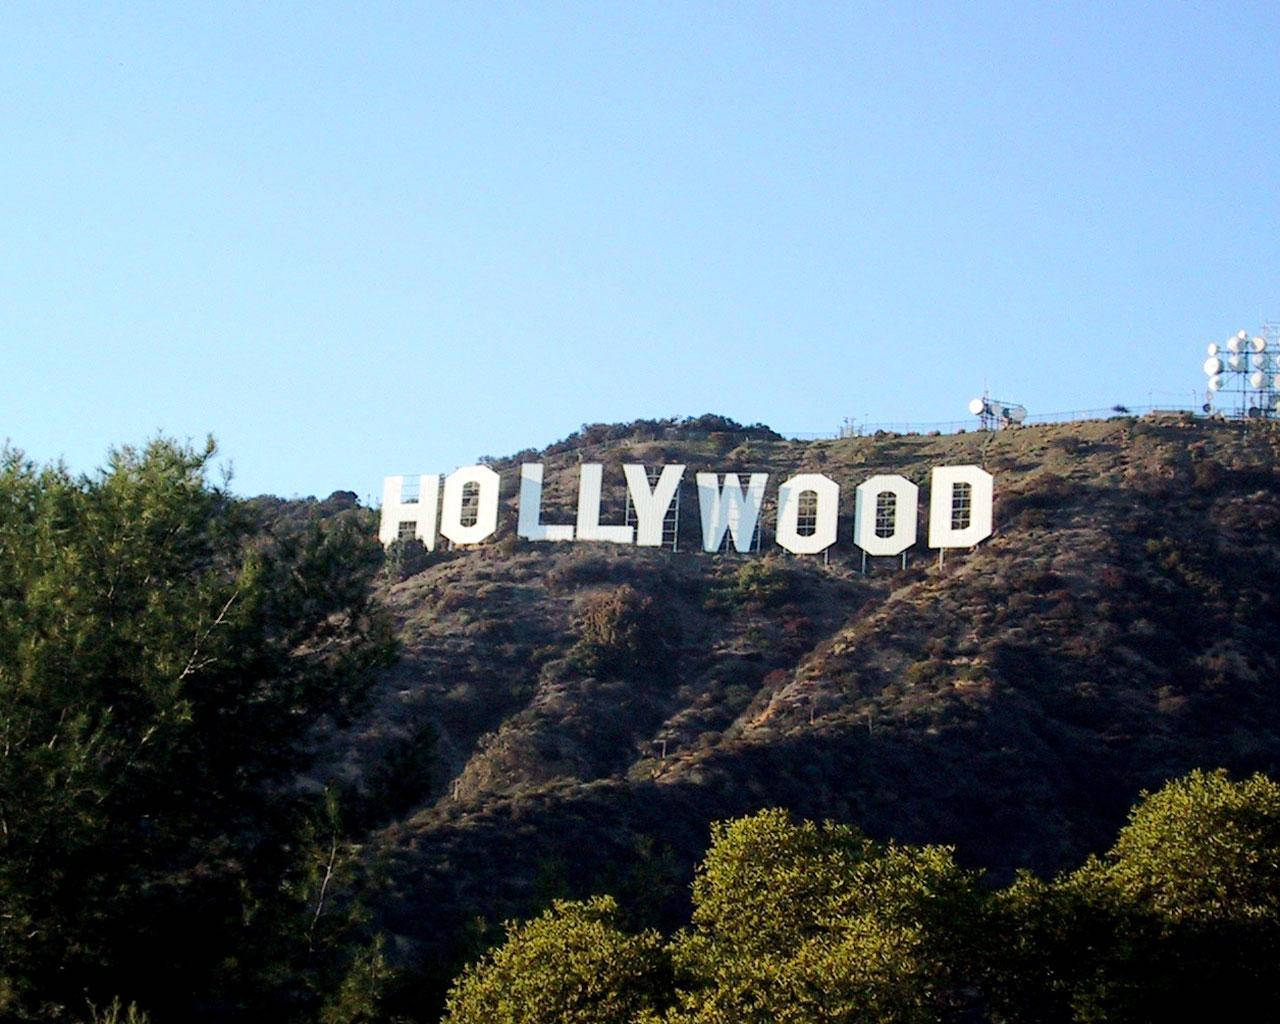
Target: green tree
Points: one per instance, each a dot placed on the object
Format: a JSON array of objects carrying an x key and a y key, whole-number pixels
[
  {"x": 1178, "y": 920},
  {"x": 1056, "y": 949},
  {"x": 1204, "y": 852},
  {"x": 810, "y": 923},
  {"x": 163, "y": 655},
  {"x": 571, "y": 965}
]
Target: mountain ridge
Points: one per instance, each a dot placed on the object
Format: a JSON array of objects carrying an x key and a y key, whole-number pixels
[{"x": 1118, "y": 629}]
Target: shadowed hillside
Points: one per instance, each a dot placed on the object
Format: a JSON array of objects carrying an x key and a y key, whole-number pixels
[{"x": 568, "y": 719}]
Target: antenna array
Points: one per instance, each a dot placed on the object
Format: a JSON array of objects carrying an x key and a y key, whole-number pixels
[
  {"x": 995, "y": 415},
  {"x": 1244, "y": 374}
]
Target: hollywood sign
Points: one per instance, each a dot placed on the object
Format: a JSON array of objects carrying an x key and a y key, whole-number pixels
[{"x": 885, "y": 511}]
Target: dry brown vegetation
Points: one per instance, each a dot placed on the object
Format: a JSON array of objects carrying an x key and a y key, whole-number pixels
[{"x": 1117, "y": 630}]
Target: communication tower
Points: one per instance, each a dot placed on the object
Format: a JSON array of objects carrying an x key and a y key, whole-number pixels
[
  {"x": 996, "y": 415},
  {"x": 1244, "y": 374}
]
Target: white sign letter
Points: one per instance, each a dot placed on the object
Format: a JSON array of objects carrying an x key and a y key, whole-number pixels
[
  {"x": 826, "y": 507},
  {"x": 960, "y": 502},
  {"x": 530, "y": 526},
  {"x": 485, "y": 522},
  {"x": 416, "y": 514},
  {"x": 888, "y": 527},
  {"x": 729, "y": 509},
  {"x": 651, "y": 507},
  {"x": 589, "y": 527}
]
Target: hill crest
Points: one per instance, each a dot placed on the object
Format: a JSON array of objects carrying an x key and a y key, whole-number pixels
[{"x": 592, "y": 707}]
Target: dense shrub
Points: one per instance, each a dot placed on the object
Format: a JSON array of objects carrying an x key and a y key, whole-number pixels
[
  {"x": 1182, "y": 913},
  {"x": 572, "y": 965},
  {"x": 405, "y": 558},
  {"x": 621, "y": 632},
  {"x": 807, "y": 923},
  {"x": 802, "y": 923},
  {"x": 758, "y": 583}
]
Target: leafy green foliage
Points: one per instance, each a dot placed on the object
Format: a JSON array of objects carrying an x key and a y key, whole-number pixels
[
  {"x": 1203, "y": 851},
  {"x": 1184, "y": 908},
  {"x": 805, "y": 922},
  {"x": 163, "y": 655},
  {"x": 573, "y": 965}
]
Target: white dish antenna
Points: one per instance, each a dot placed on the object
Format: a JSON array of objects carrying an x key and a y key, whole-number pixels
[
  {"x": 995, "y": 412},
  {"x": 1245, "y": 368}
]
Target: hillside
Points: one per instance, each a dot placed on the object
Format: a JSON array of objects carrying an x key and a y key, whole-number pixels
[{"x": 1119, "y": 628}]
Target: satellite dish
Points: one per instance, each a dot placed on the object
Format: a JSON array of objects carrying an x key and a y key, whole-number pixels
[
  {"x": 1258, "y": 360},
  {"x": 1259, "y": 344},
  {"x": 1212, "y": 365},
  {"x": 1237, "y": 362},
  {"x": 1234, "y": 344},
  {"x": 1215, "y": 382},
  {"x": 1017, "y": 413},
  {"x": 977, "y": 407},
  {"x": 1257, "y": 379},
  {"x": 1242, "y": 335},
  {"x": 1207, "y": 407},
  {"x": 1275, "y": 381},
  {"x": 1254, "y": 412},
  {"x": 1213, "y": 349}
]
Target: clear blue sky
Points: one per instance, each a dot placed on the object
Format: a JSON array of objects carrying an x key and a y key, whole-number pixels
[{"x": 368, "y": 239}]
